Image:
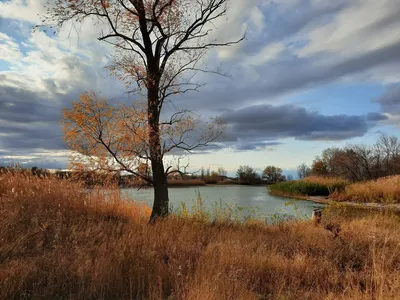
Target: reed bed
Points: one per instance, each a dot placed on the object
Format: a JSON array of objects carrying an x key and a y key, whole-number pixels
[
  {"x": 59, "y": 241},
  {"x": 383, "y": 190},
  {"x": 309, "y": 186},
  {"x": 186, "y": 182}
]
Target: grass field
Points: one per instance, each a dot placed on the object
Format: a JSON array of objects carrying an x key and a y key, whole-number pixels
[{"x": 58, "y": 242}]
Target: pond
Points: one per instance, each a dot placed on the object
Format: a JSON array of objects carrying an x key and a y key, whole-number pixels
[{"x": 243, "y": 201}]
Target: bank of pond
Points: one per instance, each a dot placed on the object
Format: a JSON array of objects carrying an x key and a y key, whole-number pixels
[{"x": 385, "y": 190}]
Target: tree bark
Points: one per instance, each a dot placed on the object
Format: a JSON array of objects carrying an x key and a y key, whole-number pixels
[
  {"x": 160, "y": 185},
  {"x": 161, "y": 199}
]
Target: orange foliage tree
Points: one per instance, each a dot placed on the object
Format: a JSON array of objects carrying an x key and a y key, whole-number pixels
[{"x": 159, "y": 47}]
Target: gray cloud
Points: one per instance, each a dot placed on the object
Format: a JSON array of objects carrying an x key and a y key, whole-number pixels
[
  {"x": 390, "y": 100},
  {"x": 285, "y": 75},
  {"x": 19, "y": 105},
  {"x": 376, "y": 117},
  {"x": 59, "y": 163},
  {"x": 264, "y": 123},
  {"x": 303, "y": 15},
  {"x": 288, "y": 72},
  {"x": 29, "y": 119},
  {"x": 254, "y": 145}
]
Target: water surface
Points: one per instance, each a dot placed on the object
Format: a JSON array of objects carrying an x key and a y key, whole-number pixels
[{"x": 246, "y": 201}]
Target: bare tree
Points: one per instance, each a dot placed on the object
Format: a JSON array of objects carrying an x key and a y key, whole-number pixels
[
  {"x": 389, "y": 148},
  {"x": 222, "y": 172},
  {"x": 303, "y": 171},
  {"x": 159, "y": 46}
]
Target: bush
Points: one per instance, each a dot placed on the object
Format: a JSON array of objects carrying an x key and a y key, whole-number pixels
[{"x": 309, "y": 186}]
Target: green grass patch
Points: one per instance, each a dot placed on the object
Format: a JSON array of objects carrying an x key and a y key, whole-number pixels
[{"x": 304, "y": 188}]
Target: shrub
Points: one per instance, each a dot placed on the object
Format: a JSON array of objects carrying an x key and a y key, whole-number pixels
[{"x": 309, "y": 186}]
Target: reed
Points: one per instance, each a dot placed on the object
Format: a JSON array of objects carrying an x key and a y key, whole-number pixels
[
  {"x": 309, "y": 186},
  {"x": 383, "y": 190},
  {"x": 186, "y": 182},
  {"x": 60, "y": 241}
]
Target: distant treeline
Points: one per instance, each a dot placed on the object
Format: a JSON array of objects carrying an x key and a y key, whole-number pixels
[
  {"x": 353, "y": 162},
  {"x": 245, "y": 175},
  {"x": 357, "y": 162}
]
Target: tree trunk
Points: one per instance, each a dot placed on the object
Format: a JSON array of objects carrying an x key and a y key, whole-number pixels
[{"x": 161, "y": 200}]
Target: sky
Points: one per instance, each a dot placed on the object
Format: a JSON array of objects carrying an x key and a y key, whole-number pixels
[{"x": 310, "y": 74}]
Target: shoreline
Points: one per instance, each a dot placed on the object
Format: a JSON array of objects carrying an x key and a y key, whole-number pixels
[
  {"x": 326, "y": 200},
  {"x": 194, "y": 185},
  {"x": 370, "y": 205}
]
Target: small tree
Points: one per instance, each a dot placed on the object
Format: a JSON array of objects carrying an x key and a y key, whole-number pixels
[
  {"x": 303, "y": 171},
  {"x": 273, "y": 174},
  {"x": 389, "y": 151},
  {"x": 202, "y": 173},
  {"x": 222, "y": 172},
  {"x": 159, "y": 46},
  {"x": 247, "y": 175},
  {"x": 319, "y": 168}
]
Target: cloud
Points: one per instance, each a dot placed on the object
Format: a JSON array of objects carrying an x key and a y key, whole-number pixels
[
  {"x": 259, "y": 124},
  {"x": 290, "y": 46},
  {"x": 23, "y": 10},
  {"x": 306, "y": 44},
  {"x": 376, "y": 117},
  {"x": 34, "y": 89},
  {"x": 390, "y": 100},
  {"x": 29, "y": 119},
  {"x": 9, "y": 49},
  {"x": 29, "y": 162},
  {"x": 349, "y": 32},
  {"x": 281, "y": 77},
  {"x": 389, "y": 103},
  {"x": 248, "y": 145}
]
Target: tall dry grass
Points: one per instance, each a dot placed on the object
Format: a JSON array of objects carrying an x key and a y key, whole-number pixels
[
  {"x": 60, "y": 242},
  {"x": 382, "y": 190}
]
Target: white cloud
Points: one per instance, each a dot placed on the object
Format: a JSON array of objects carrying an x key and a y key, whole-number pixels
[
  {"x": 358, "y": 29},
  {"x": 236, "y": 23},
  {"x": 268, "y": 53},
  {"x": 49, "y": 60},
  {"x": 257, "y": 18},
  {"x": 23, "y": 10},
  {"x": 9, "y": 49}
]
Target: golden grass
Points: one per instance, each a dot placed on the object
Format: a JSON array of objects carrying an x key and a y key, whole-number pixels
[
  {"x": 382, "y": 190},
  {"x": 324, "y": 180},
  {"x": 58, "y": 242}
]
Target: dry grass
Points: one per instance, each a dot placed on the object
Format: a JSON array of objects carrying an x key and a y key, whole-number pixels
[
  {"x": 383, "y": 190},
  {"x": 58, "y": 242}
]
